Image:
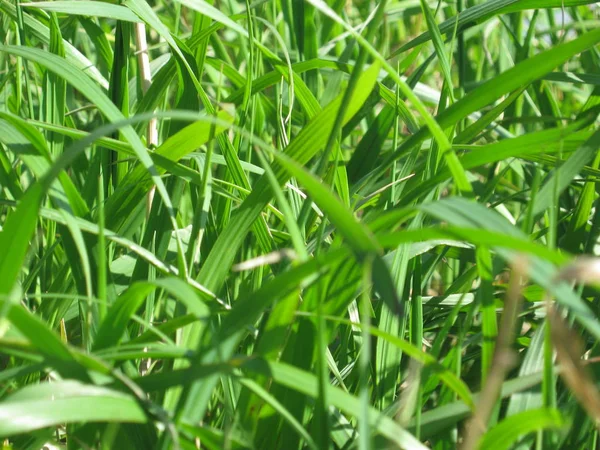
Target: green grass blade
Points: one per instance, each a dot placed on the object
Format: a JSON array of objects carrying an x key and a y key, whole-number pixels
[
  {"x": 50, "y": 404},
  {"x": 87, "y": 8},
  {"x": 504, "y": 435}
]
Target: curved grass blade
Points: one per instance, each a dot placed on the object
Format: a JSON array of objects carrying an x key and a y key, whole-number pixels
[
  {"x": 434, "y": 127},
  {"x": 41, "y": 32},
  {"x": 86, "y": 8},
  {"x": 310, "y": 140},
  {"x": 520, "y": 75},
  {"x": 307, "y": 384},
  {"x": 508, "y": 432},
  {"x": 483, "y": 11},
  {"x": 566, "y": 172},
  {"x": 462, "y": 213},
  {"x": 50, "y": 404},
  {"x": 357, "y": 235},
  {"x": 121, "y": 312},
  {"x": 85, "y": 85}
]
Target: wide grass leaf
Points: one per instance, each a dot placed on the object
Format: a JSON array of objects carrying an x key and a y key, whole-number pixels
[
  {"x": 461, "y": 213},
  {"x": 307, "y": 383},
  {"x": 504, "y": 435},
  {"x": 87, "y": 8},
  {"x": 520, "y": 75},
  {"x": 138, "y": 181},
  {"x": 42, "y": 32},
  {"x": 88, "y": 88},
  {"x": 56, "y": 403}
]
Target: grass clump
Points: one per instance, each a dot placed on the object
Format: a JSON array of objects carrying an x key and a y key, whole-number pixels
[{"x": 285, "y": 225}]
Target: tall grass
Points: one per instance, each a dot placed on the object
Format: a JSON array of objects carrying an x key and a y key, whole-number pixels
[{"x": 299, "y": 224}]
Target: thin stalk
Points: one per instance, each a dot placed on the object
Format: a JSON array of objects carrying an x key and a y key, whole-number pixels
[
  {"x": 145, "y": 76},
  {"x": 102, "y": 279},
  {"x": 337, "y": 125},
  {"x": 416, "y": 324},
  {"x": 364, "y": 362}
]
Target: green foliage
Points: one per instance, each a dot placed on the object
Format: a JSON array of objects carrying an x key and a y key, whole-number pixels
[{"x": 299, "y": 224}]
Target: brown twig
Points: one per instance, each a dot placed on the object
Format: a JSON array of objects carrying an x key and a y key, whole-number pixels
[
  {"x": 569, "y": 348},
  {"x": 568, "y": 345},
  {"x": 503, "y": 361}
]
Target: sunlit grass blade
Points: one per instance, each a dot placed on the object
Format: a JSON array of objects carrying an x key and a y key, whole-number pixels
[
  {"x": 483, "y": 11},
  {"x": 51, "y": 404},
  {"x": 87, "y": 8}
]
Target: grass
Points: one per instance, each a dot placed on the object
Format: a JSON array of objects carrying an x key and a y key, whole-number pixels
[{"x": 290, "y": 224}]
